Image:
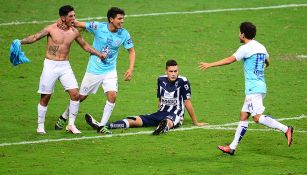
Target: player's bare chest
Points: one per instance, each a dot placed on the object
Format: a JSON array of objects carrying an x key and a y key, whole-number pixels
[{"x": 62, "y": 37}]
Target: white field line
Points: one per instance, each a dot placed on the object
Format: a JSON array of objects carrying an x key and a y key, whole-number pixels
[
  {"x": 207, "y": 127},
  {"x": 301, "y": 56},
  {"x": 164, "y": 13}
]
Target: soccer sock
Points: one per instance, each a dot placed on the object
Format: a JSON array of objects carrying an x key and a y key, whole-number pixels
[
  {"x": 73, "y": 111},
  {"x": 272, "y": 123},
  {"x": 119, "y": 124},
  {"x": 108, "y": 108},
  {"x": 41, "y": 112},
  {"x": 241, "y": 129},
  {"x": 66, "y": 113}
]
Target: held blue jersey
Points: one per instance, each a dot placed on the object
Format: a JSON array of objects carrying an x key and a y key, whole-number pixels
[
  {"x": 107, "y": 42},
  {"x": 253, "y": 55},
  {"x": 173, "y": 94}
]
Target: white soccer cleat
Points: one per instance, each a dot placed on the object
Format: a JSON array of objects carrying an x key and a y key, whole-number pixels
[
  {"x": 73, "y": 129},
  {"x": 41, "y": 131}
]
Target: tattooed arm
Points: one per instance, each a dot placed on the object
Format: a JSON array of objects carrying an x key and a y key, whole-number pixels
[
  {"x": 35, "y": 37},
  {"x": 89, "y": 48}
]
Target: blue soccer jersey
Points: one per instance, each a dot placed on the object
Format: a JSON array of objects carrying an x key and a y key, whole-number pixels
[
  {"x": 108, "y": 42},
  {"x": 253, "y": 55},
  {"x": 173, "y": 94}
]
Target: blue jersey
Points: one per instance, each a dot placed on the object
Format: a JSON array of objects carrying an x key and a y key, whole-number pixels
[
  {"x": 173, "y": 94},
  {"x": 108, "y": 42},
  {"x": 253, "y": 55}
]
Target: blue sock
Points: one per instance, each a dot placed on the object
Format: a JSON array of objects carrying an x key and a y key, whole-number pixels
[{"x": 118, "y": 124}]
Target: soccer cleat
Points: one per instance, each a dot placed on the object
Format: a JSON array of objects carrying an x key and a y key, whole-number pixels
[
  {"x": 226, "y": 149},
  {"x": 91, "y": 121},
  {"x": 59, "y": 125},
  {"x": 72, "y": 129},
  {"x": 103, "y": 130},
  {"x": 289, "y": 134},
  {"x": 162, "y": 127},
  {"x": 40, "y": 131}
]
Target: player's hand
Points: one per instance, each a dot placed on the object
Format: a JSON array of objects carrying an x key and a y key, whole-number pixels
[
  {"x": 103, "y": 56},
  {"x": 203, "y": 65},
  {"x": 199, "y": 124},
  {"x": 128, "y": 75}
]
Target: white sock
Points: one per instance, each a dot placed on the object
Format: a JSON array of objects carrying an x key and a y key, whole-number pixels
[
  {"x": 127, "y": 123},
  {"x": 272, "y": 123},
  {"x": 241, "y": 129},
  {"x": 41, "y": 113},
  {"x": 73, "y": 111},
  {"x": 108, "y": 108},
  {"x": 66, "y": 112}
]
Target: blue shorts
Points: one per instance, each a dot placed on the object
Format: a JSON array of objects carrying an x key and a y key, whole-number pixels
[{"x": 155, "y": 118}]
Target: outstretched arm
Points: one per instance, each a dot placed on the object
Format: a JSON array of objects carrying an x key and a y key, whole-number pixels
[
  {"x": 229, "y": 60},
  {"x": 79, "y": 24},
  {"x": 128, "y": 73},
  {"x": 189, "y": 107},
  {"x": 85, "y": 46},
  {"x": 33, "y": 38}
]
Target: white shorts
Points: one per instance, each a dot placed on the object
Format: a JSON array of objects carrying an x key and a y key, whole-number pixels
[
  {"x": 253, "y": 104},
  {"x": 91, "y": 83},
  {"x": 56, "y": 70}
]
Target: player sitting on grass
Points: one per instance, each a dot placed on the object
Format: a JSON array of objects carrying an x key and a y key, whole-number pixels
[{"x": 174, "y": 94}]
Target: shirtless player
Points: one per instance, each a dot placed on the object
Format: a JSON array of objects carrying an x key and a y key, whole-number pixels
[{"x": 60, "y": 36}]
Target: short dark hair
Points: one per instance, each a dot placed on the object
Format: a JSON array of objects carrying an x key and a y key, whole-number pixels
[
  {"x": 113, "y": 11},
  {"x": 171, "y": 62},
  {"x": 64, "y": 10},
  {"x": 249, "y": 30}
]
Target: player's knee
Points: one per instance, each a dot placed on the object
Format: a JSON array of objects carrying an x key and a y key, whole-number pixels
[
  {"x": 256, "y": 118},
  {"x": 112, "y": 97},
  {"x": 82, "y": 97},
  {"x": 45, "y": 99},
  {"x": 135, "y": 121},
  {"x": 75, "y": 97},
  {"x": 170, "y": 123}
]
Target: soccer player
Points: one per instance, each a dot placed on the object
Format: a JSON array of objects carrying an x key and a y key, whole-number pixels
[
  {"x": 108, "y": 37},
  {"x": 60, "y": 36},
  {"x": 255, "y": 58},
  {"x": 174, "y": 94}
]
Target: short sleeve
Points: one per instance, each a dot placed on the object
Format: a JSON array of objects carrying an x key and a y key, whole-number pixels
[
  {"x": 158, "y": 88},
  {"x": 92, "y": 26},
  {"x": 186, "y": 90},
  {"x": 128, "y": 41},
  {"x": 240, "y": 53}
]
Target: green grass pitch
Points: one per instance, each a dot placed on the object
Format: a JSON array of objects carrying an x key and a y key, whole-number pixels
[{"x": 217, "y": 94}]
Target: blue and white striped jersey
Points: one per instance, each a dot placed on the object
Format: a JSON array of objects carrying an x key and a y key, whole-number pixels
[
  {"x": 173, "y": 94},
  {"x": 253, "y": 55}
]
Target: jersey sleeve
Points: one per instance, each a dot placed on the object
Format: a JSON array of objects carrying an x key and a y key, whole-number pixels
[
  {"x": 158, "y": 89},
  {"x": 186, "y": 90},
  {"x": 240, "y": 53},
  {"x": 128, "y": 41},
  {"x": 92, "y": 26}
]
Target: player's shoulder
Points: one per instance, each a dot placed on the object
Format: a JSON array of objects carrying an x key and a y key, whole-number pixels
[
  {"x": 162, "y": 77},
  {"x": 182, "y": 78},
  {"x": 122, "y": 31}
]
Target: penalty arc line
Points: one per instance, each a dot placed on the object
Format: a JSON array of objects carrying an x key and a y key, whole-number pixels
[
  {"x": 165, "y": 13},
  {"x": 208, "y": 127}
]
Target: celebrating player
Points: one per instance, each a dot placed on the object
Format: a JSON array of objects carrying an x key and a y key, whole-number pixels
[
  {"x": 174, "y": 94},
  {"x": 255, "y": 58},
  {"x": 60, "y": 36},
  {"x": 108, "y": 37}
]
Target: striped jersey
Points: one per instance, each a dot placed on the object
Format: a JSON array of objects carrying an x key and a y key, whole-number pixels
[
  {"x": 173, "y": 94},
  {"x": 253, "y": 55},
  {"x": 107, "y": 42}
]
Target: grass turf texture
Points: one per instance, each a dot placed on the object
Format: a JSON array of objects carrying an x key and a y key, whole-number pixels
[{"x": 217, "y": 94}]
